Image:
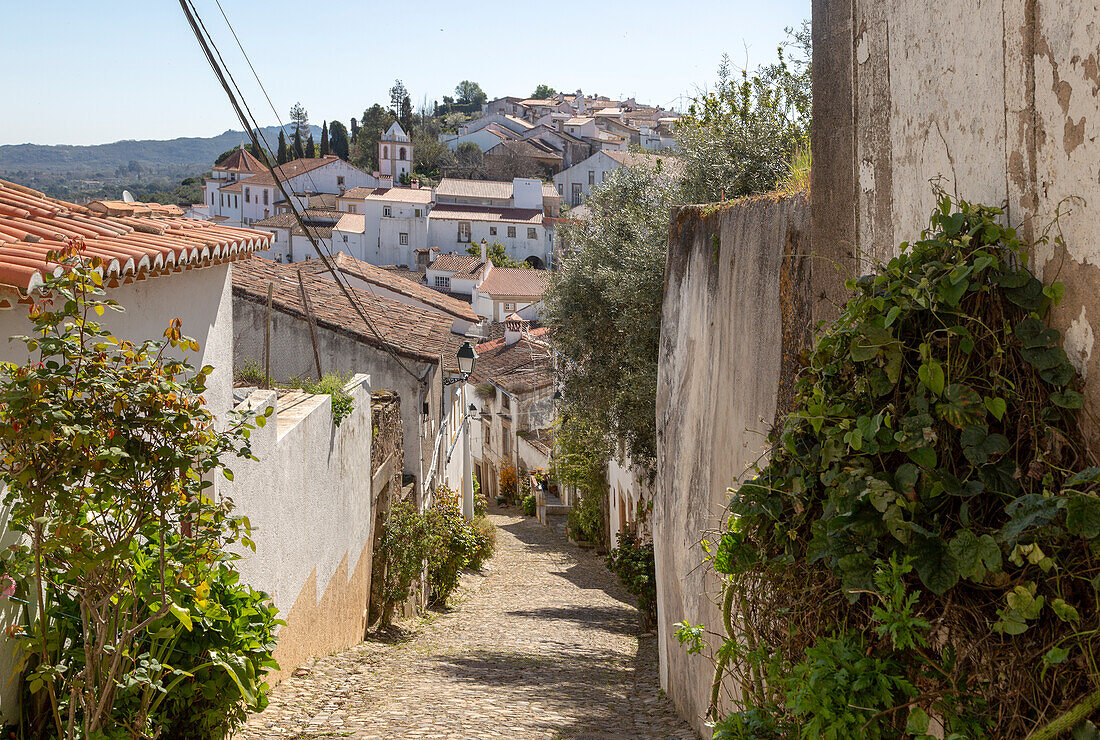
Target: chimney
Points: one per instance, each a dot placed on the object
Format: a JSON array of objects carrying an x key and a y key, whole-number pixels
[
  {"x": 514, "y": 328},
  {"x": 484, "y": 251},
  {"x": 414, "y": 183},
  {"x": 385, "y": 181}
]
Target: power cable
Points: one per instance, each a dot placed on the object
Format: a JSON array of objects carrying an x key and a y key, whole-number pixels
[{"x": 249, "y": 123}]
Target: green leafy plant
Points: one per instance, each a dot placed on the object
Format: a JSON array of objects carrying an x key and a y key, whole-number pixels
[
  {"x": 528, "y": 505},
  {"x": 332, "y": 384},
  {"x": 108, "y": 459},
  {"x": 252, "y": 372},
  {"x": 452, "y": 543},
  {"x": 405, "y": 547},
  {"x": 633, "y": 562},
  {"x": 585, "y": 519},
  {"x": 509, "y": 483},
  {"x": 934, "y": 442},
  {"x": 485, "y": 537}
]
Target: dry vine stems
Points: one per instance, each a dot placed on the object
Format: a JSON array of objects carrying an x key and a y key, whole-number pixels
[{"x": 925, "y": 538}]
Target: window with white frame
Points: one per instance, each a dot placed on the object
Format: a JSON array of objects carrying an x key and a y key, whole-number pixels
[
  {"x": 340, "y": 181},
  {"x": 387, "y": 211},
  {"x": 247, "y": 196},
  {"x": 492, "y": 231},
  {"x": 592, "y": 177},
  {"x": 560, "y": 189},
  {"x": 511, "y": 232},
  {"x": 403, "y": 239},
  {"x": 510, "y": 308},
  {"x": 352, "y": 208},
  {"x": 266, "y": 192},
  {"x": 345, "y": 238},
  {"x": 418, "y": 212},
  {"x": 531, "y": 233},
  {"x": 464, "y": 231},
  {"x": 442, "y": 282}
]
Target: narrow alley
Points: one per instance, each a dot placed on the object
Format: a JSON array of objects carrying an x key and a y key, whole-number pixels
[{"x": 543, "y": 644}]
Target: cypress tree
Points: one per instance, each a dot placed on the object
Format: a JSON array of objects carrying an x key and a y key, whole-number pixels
[
  {"x": 338, "y": 140},
  {"x": 297, "y": 151},
  {"x": 324, "y": 139},
  {"x": 311, "y": 150},
  {"x": 281, "y": 157},
  {"x": 354, "y": 130}
]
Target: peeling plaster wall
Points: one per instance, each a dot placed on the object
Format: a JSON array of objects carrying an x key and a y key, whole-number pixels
[
  {"x": 741, "y": 292},
  {"x": 998, "y": 100},
  {"x": 308, "y": 497}
]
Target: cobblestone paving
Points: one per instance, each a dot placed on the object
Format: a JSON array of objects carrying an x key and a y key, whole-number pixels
[{"x": 542, "y": 644}]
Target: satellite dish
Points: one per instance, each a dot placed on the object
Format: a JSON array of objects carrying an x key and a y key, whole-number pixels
[{"x": 127, "y": 197}]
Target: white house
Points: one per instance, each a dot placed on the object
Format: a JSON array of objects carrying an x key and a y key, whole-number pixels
[
  {"x": 289, "y": 242},
  {"x": 383, "y": 226},
  {"x": 494, "y": 292},
  {"x": 244, "y": 194},
  {"x": 577, "y": 181}
]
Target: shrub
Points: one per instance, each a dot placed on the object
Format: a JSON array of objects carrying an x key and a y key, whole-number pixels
[
  {"x": 632, "y": 561},
  {"x": 529, "y": 505},
  {"x": 485, "y": 533},
  {"x": 452, "y": 541},
  {"x": 405, "y": 548},
  {"x": 509, "y": 482},
  {"x": 251, "y": 372},
  {"x": 586, "y": 519},
  {"x": 332, "y": 384},
  {"x": 227, "y": 652}
]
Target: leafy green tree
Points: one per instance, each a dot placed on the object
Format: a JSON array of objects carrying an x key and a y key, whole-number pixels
[
  {"x": 297, "y": 150},
  {"x": 283, "y": 156},
  {"x": 324, "y": 139},
  {"x": 740, "y": 138},
  {"x": 338, "y": 140},
  {"x": 398, "y": 93},
  {"x": 498, "y": 256},
  {"x": 469, "y": 160},
  {"x": 470, "y": 93},
  {"x": 376, "y": 120},
  {"x": 406, "y": 116},
  {"x": 299, "y": 118},
  {"x": 604, "y": 305},
  {"x": 430, "y": 156},
  {"x": 544, "y": 92},
  {"x": 311, "y": 148}
]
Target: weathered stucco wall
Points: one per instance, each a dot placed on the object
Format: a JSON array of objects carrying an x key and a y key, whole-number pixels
[
  {"x": 741, "y": 291},
  {"x": 292, "y": 355},
  {"x": 1000, "y": 100},
  {"x": 309, "y": 499}
]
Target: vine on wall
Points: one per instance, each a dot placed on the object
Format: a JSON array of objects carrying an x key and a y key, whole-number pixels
[{"x": 925, "y": 539}]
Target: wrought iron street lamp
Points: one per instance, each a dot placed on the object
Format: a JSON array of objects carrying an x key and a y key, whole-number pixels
[{"x": 467, "y": 356}]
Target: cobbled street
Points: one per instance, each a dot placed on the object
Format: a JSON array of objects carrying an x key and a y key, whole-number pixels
[{"x": 544, "y": 643}]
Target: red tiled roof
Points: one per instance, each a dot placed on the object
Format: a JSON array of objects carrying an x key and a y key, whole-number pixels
[
  {"x": 135, "y": 240},
  {"x": 457, "y": 212},
  {"x": 397, "y": 195},
  {"x": 515, "y": 281},
  {"x": 241, "y": 161},
  {"x": 453, "y": 187},
  {"x": 291, "y": 169},
  {"x": 409, "y": 331},
  {"x": 456, "y": 262},
  {"x": 523, "y": 366},
  {"x": 389, "y": 280}
]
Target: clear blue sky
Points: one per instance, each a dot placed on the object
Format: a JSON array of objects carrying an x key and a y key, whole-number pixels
[{"x": 82, "y": 72}]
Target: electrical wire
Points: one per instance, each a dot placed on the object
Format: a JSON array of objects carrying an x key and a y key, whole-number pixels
[{"x": 248, "y": 121}]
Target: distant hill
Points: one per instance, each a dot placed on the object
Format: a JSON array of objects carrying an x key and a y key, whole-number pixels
[{"x": 189, "y": 154}]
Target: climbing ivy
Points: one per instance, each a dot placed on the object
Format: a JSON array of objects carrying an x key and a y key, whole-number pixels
[{"x": 924, "y": 539}]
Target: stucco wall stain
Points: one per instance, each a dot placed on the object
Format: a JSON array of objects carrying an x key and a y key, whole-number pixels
[
  {"x": 1079, "y": 340},
  {"x": 1074, "y": 135}
]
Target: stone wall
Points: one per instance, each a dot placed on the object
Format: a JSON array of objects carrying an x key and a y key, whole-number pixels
[
  {"x": 1000, "y": 100},
  {"x": 741, "y": 295}
]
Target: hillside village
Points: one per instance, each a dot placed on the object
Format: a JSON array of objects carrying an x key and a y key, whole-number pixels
[{"x": 565, "y": 416}]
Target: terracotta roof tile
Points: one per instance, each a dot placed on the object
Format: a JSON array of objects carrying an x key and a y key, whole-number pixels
[
  {"x": 523, "y": 366},
  {"x": 458, "y": 212},
  {"x": 396, "y": 195},
  {"x": 515, "y": 281},
  {"x": 291, "y": 169},
  {"x": 410, "y": 331},
  {"x": 453, "y": 187},
  {"x": 457, "y": 263},
  {"x": 241, "y": 161},
  {"x": 135, "y": 240},
  {"x": 389, "y": 280}
]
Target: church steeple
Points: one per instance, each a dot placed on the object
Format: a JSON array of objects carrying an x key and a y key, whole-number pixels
[{"x": 395, "y": 154}]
